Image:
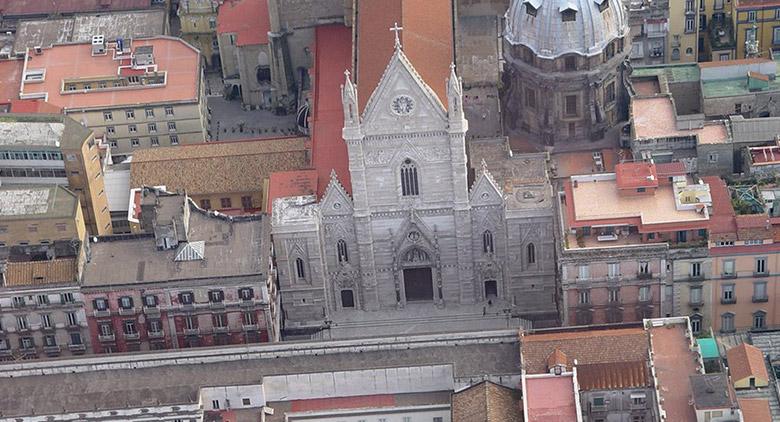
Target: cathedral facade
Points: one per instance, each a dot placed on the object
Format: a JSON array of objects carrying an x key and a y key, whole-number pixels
[{"x": 413, "y": 237}]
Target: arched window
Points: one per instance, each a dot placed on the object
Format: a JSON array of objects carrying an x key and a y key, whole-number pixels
[
  {"x": 341, "y": 248},
  {"x": 299, "y": 270},
  {"x": 531, "y": 253},
  {"x": 409, "y": 184},
  {"x": 487, "y": 241}
]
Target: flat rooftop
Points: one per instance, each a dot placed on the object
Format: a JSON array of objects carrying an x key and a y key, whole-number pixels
[
  {"x": 656, "y": 118},
  {"x": 674, "y": 363},
  {"x": 550, "y": 399},
  {"x": 179, "y": 60},
  {"x": 673, "y": 73},
  {"x": 22, "y": 202},
  {"x": 23, "y": 133},
  {"x": 734, "y": 87},
  {"x": 594, "y": 200}
]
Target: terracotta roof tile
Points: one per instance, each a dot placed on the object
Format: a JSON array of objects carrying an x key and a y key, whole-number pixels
[
  {"x": 12, "y": 79},
  {"x": 486, "y": 402},
  {"x": 291, "y": 183},
  {"x": 613, "y": 375},
  {"x": 587, "y": 347},
  {"x": 746, "y": 361},
  {"x": 722, "y": 219},
  {"x": 248, "y": 19},
  {"x": 35, "y": 273},
  {"x": 675, "y": 168},
  {"x": 636, "y": 175},
  {"x": 39, "y": 7},
  {"x": 755, "y": 410},
  {"x": 216, "y": 167},
  {"x": 557, "y": 358},
  {"x": 354, "y": 402}
]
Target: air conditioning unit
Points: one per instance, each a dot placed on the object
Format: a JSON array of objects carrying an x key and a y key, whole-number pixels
[{"x": 38, "y": 50}]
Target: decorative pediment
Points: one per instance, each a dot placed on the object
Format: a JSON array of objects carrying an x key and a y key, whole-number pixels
[
  {"x": 414, "y": 233},
  {"x": 485, "y": 190},
  {"x": 403, "y": 102},
  {"x": 336, "y": 200}
]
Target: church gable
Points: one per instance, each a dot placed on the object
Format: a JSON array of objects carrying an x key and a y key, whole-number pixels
[
  {"x": 335, "y": 201},
  {"x": 485, "y": 191},
  {"x": 403, "y": 102}
]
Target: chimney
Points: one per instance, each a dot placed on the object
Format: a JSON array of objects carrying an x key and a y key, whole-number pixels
[{"x": 98, "y": 45}]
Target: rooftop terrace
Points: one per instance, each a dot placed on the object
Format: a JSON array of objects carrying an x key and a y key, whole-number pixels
[{"x": 35, "y": 201}]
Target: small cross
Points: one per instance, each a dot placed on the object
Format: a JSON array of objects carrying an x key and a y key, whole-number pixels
[{"x": 397, "y": 29}]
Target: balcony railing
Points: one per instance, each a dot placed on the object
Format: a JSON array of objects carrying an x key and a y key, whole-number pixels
[
  {"x": 728, "y": 275},
  {"x": 728, "y": 301},
  {"x": 127, "y": 311},
  {"x": 247, "y": 303},
  {"x": 151, "y": 310},
  {"x": 759, "y": 299},
  {"x": 132, "y": 336},
  {"x": 155, "y": 334},
  {"x": 644, "y": 276},
  {"x": 102, "y": 313},
  {"x": 696, "y": 302},
  {"x": 52, "y": 350},
  {"x": 191, "y": 331},
  {"x": 760, "y": 274},
  {"x": 221, "y": 330},
  {"x": 251, "y": 327},
  {"x": 106, "y": 337},
  {"x": 77, "y": 348},
  {"x": 217, "y": 305},
  {"x": 699, "y": 277}
]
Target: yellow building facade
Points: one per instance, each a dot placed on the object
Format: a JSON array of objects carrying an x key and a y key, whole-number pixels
[
  {"x": 683, "y": 36},
  {"x": 756, "y": 21}
]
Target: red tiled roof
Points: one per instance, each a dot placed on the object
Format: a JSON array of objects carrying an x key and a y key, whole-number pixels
[
  {"x": 355, "y": 402},
  {"x": 746, "y": 361},
  {"x": 752, "y": 221},
  {"x": 613, "y": 375},
  {"x": 332, "y": 55},
  {"x": 674, "y": 363},
  {"x": 755, "y": 410},
  {"x": 172, "y": 55},
  {"x": 636, "y": 175},
  {"x": 33, "y": 106},
  {"x": 550, "y": 399},
  {"x": 426, "y": 38},
  {"x": 722, "y": 218},
  {"x": 557, "y": 358},
  {"x": 291, "y": 183},
  {"x": 765, "y": 155},
  {"x": 248, "y": 19},
  {"x": 46, "y": 7},
  {"x": 11, "y": 80},
  {"x": 675, "y": 168}
]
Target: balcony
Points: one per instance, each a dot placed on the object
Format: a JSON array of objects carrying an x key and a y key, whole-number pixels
[
  {"x": 52, "y": 350},
  {"x": 246, "y": 303},
  {"x": 151, "y": 310},
  {"x": 191, "y": 331},
  {"x": 697, "y": 277},
  {"x": 155, "y": 334},
  {"x": 102, "y": 313},
  {"x": 217, "y": 305},
  {"x": 132, "y": 336},
  {"x": 760, "y": 299},
  {"x": 251, "y": 327},
  {"x": 77, "y": 348},
  {"x": 695, "y": 302},
  {"x": 221, "y": 330},
  {"x": 760, "y": 274},
  {"x": 127, "y": 311},
  {"x": 644, "y": 276},
  {"x": 4, "y": 353},
  {"x": 728, "y": 275},
  {"x": 106, "y": 337},
  {"x": 728, "y": 301}
]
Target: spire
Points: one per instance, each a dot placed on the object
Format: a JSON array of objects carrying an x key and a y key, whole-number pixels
[
  {"x": 453, "y": 82},
  {"x": 349, "y": 101},
  {"x": 457, "y": 119},
  {"x": 397, "y": 29}
]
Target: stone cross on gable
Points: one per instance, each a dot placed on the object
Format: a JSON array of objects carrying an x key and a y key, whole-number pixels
[{"x": 395, "y": 28}]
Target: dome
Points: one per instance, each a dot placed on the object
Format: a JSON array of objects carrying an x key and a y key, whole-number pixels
[{"x": 555, "y": 27}]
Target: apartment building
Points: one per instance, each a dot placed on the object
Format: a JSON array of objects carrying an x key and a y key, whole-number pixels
[
  {"x": 648, "y": 21},
  {"x": 199, "y": 27},
  {"x": 756, "y": 27},
  {"x": 41, "y": 310},
  {"x": 194, "y": 279},
  {"x": 617, "y": 232},
  {"x": 683, "y": 32},
  {"x": 41, "y": 222},
  {"x": 55, "y": 149},
  {"x": 230, "y": 176},
  {"x": 716, "y": 31},
  {"x": 132, "y": 93}
]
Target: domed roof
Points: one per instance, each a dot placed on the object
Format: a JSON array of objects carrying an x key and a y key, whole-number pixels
[{"x": 554, "y": 27}]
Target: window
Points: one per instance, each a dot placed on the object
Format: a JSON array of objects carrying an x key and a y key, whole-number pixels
[
  {"x": 154, "y": 141},
  {"x": 759, "y": 291},
  {"x": 135, "y": 142},
  {"x": 150, "y": 301},
  {"x": 130, "y": 114},
  {"x": 530, "y": 98},
  {"x": 760, "y": 265},
  {"x": 570, "y": 105},
  {"x": 152, "y": 127},
  {"x": 675, "y": 54},
  {"x": 42, "y": 299},
  {"x": 347, "y": 299},
  {"x": 718, "y": 5},
  {"x": 108, "y": 116},
  {"x": 73, "y": 319},
  {"x": 75, "y": 339},
  {"x": 66, "y": 298},
  {"x": 341, "y": 250},
  {"x": 530, "y": 9},
  {"x": 132, "y": 129},
  {"x": 614, "y": 295},
  {"x": 299, "y": 270},
  {"x": 570, "y": 62},
  {"x": 129, "y": 327},
  {"x": 530, "y": 253},
  {"x": 751, "y": 16},
  {"x": 690, "y": 24},
  {"x": 100, "y": 304},
  {"x": 696, "y": 324},
  {"x": 613, "y": 269},
  {"x": 190, "y": 323},
  {"x": 126, "y": 302},
  {"x": 702, "y": 21},
  {"x": 26, "y": 343},
  {"x": 133, "y": 80},
  {"x": 213, "y": 25},
  {"x": 220, "y": 320},
  {"x": 610, "y": 91},
  {"x": 168, "y": 110},
  {"x": 246, "y": 402},
  {"x": 583, "y": 272},
  {"x": 110, "y": 130},
  {"x": 21, "y": 322},
  {"x": 409, "y": 185},
  {"x": 584, "y": 297},
  {"x": 215, "y": 404},
  {"x": 155, "y": 326},
  {"x": 738, "y": 108},
  {"x": 46, "y": 321},
  {"x": 149, "y": 112},
  {"x": 713, "y": 157},
  {"x": 246, "y": 202},
  {"x": 186, "y": 298},
  {"x": 205, "y": 204},
  {"x": 644, "y": 267},
  {"x": 728, "y": 267},
  {"x": 174, "y": 140},
  {"x": 246, "y": 293},
  {"x": 645, "y": 294},
  {"x": 487, "y": 242},
  {"x": 225, "y": 202},
  {"x": 216, "y": 296},
  {"x": 18, "y": 301},
  {"x": 171, "y": 126},
  {"x": 695, "y": 295},
  {"x": 249, "y": 318},
  {"x": 759, "y": 320},
  {"x": 695, "y": 269},
  {"x": 727, "y": 322},
  {"x": 113, "y": 143},
  {"x": 727, "y": 293},
  {"x": 689, "y": 5},
  {"x": 569, "y": 15}
]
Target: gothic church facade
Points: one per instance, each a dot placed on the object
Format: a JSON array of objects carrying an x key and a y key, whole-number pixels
[{"x": 412, "y": 237}]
